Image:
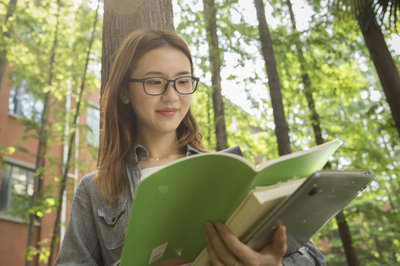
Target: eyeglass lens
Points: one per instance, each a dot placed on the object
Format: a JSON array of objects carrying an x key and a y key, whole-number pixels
[{"x": 184, "y": 85}]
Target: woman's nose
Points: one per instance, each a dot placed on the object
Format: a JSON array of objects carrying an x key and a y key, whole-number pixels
[{"x": 170, "y": 92}]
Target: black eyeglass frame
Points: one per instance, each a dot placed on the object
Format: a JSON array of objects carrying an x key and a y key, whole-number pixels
[{"x": 196, "y": 79}]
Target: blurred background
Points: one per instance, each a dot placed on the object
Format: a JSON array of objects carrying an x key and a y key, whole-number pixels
[{"x": 276, "y": 77}]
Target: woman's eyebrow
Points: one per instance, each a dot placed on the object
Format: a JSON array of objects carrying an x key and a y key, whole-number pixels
[
  {"x": 183, "y": 73},
  {"x": 154, "y": 73},
  {"x": 163, "y": 74}
]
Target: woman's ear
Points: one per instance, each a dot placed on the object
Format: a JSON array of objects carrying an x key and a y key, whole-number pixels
[{"x": 124, "y": 97}]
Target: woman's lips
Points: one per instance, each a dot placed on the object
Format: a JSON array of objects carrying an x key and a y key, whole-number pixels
[{"x": 168, "y": 112}]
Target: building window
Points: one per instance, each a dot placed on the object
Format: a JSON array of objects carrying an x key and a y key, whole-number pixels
[
  {"x": 24, "y": 103},
  {"x": 93, "y": 122},
  {"x": 16, "y": 189}
]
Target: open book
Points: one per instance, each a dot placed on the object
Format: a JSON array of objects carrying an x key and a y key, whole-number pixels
[
  {"x": 172, "y": 205},
  {"x": 304, "y": 206}
]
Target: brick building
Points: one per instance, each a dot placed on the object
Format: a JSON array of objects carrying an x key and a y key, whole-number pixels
[{"x": 17, "y": 168}]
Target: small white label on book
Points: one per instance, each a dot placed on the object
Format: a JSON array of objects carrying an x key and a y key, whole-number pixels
[{"x": 158, "y": 252}]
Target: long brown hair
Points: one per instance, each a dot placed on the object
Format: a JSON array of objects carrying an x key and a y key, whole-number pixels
[{"x": 119, "y": 127}]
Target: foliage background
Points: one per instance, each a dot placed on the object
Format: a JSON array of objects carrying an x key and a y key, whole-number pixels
[{"x": 348, "y": 95}]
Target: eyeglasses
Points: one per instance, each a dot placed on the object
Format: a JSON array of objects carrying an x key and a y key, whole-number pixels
[{"x": 157, "y": 86}]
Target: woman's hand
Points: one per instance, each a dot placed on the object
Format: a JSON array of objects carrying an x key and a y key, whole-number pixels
[
  {"x": 224, "y": 248},
  {"x": 173, "y": 261}
]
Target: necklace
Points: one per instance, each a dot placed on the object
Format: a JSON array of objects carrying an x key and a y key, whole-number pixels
[{"x": 157, "y": 159}]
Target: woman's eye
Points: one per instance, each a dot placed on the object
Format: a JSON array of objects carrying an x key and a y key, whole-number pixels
[
  {"x": 153, "y": 81},
  {"x": 183, "y": 81}
]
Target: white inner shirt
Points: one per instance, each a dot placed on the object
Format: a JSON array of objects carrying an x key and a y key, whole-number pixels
[{"x": 148, "y": 171}]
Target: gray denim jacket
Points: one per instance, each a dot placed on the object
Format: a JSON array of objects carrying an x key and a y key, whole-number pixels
[{"x": 96, "y": 230}]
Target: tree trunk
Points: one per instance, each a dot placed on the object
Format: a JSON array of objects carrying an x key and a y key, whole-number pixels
[
  {"x": 379, "y": 249},
  {"x": 6, "y": 35},
  {"x": 121, "y": 17},
  {"x": 383, "y": 61},
  {"x": 39, "y": 166},
  {"x": 306, "y": 80},
  {"x": 281, "y": 126},
  {"x": 209, "y": 103},
  {"x": 347, "y": 240},
  {"x": 210, "y": 17},
  {"x": 71, "y": 144},
  {"x": 344, "y": 230}
]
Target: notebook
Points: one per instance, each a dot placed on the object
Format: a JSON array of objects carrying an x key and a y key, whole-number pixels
[{"x": 311, "y": 206}]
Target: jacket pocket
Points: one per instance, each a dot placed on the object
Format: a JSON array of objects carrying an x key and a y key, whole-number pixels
[{"x": 113, "y": 223}]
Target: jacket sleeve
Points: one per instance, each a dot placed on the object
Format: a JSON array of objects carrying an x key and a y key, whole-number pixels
[
  {"x": 306, "y": 255},
  {"x": 80, "y": 245},
  {"x": 234, "y": 150}
]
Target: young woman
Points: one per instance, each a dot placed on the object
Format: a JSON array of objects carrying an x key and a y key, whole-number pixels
[{"x": 148, "y": 123}]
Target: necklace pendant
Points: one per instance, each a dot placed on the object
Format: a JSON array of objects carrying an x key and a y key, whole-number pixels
[{"x": 157, "y": 159}]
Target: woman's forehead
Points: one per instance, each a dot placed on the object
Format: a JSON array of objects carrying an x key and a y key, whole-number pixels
[{"x": 163, "y": 60}]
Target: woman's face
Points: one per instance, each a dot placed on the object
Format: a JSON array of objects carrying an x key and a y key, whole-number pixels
[{"x": 162, "y": 113}]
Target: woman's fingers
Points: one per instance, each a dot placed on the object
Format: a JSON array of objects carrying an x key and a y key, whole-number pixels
[
  {"x": 278, "y": 245},
  {"x": 211, "y": 253},
  {"x": 280, "y": 239},
  {"x": 244, "y": 253},
  {"x": 173, "y": 261},
  {"x": 220, "y": 254},
  {"x": 226, "y": 249}
]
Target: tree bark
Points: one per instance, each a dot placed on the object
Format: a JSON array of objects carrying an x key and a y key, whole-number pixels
[
  {"x": 210, "y": 17},
  {"x": 42, "y": 138},
  {"x": 281, "y": 126},
  {"x": 383, "y": 62},
  {"x": 306, "y": 80},
  {"x": 209, "y": 103},
  {"x": 344, "y": 231},
  {"x": 6, "y": 35},
  {"x": 71, "y": 144},
  {"x": 347, "y": 240},
  {"x": 121, "y": 17}
]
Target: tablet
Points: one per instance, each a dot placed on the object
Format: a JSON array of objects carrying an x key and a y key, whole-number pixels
[{"x": 311, "y": 206}]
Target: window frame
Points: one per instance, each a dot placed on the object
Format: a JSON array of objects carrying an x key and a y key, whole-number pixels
[
  {"x": 29, "y": 180},
  {"x": 90, "y": 135},
  {"x": 22, "y": 95}
]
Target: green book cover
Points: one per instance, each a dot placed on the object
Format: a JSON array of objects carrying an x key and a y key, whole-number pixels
[{"x": 172, "y": 205}]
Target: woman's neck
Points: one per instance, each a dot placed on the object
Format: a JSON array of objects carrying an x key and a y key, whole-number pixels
[{"x": 162, "y": 149}]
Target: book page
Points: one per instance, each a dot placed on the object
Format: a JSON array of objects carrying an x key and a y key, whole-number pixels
[{"x": 299, "y": 164}]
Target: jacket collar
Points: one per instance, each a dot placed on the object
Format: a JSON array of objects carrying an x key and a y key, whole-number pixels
[
  {"x": 139, "y": 151},
  {"x": 133, "y": 168}
]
